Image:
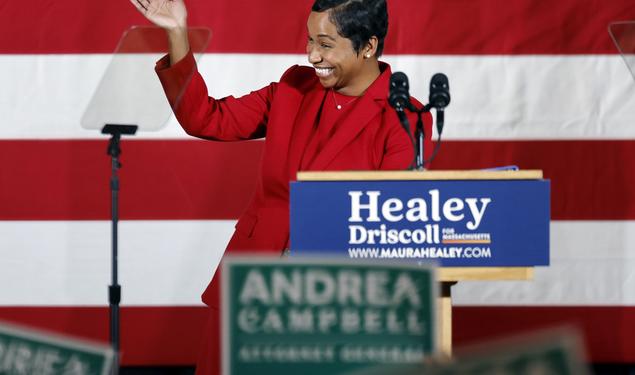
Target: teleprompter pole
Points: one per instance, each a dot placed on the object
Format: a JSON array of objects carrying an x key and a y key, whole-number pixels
[{"x": 114, "y": 290}]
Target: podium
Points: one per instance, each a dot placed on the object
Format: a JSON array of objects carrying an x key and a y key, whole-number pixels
[{"x": 475, "y": 225}]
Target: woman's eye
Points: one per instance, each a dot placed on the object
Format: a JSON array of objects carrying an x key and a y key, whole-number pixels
[{"x": 325, "y": 45}]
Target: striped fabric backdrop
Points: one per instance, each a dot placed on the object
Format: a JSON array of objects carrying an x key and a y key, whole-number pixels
[{"x": 534, "y": 83}]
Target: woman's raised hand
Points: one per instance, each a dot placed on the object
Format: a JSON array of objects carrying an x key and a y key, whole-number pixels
[
  {"x": 168, "y": 14},
  {"x": 171, "y": 15}
]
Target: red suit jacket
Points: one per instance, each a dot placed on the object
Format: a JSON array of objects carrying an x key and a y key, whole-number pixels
[{"x": 369, "y": 137}]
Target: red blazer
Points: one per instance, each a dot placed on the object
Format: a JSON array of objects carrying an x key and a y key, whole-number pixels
[{"x": 370, "y": 137}]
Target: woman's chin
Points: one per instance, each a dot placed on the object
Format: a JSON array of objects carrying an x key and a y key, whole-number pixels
[{"x": 328, "y": 82}]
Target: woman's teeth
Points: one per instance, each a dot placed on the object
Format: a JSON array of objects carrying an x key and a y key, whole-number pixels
[{"x": 323, "y": 72}]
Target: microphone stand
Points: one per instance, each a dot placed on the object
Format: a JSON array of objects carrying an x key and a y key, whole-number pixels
[
  {"x": 419, "y": 140},
  {"x": 420, "y": 135},
  {"x": 114, "y": 290}
]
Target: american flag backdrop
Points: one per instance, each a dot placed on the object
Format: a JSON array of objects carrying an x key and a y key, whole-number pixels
[{"x": 534, "y": 83}]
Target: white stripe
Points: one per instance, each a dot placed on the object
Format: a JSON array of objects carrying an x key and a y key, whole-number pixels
[
  {"x": 69, "y": 263},
  {"x": 493, "y": 97},
  {"x": 592, "y": 263},
  {"x": 171, "y": 262}
]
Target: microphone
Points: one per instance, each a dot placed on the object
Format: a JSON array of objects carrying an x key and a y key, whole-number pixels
[
  {"x": 398, "y": 96},
  {"x": 399, "y": 99},
  {"x": 439, "y": 91},
  {"x": 439, "y": 97}
]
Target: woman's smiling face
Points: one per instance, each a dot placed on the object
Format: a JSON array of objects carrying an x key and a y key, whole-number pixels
[{"x": 336, "y": 62}]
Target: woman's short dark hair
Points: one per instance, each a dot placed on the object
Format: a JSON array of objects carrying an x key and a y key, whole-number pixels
[{"x": 357, "y": 20}]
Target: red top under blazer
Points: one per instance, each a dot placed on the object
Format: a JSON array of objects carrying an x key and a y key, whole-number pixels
[{"x": 368, "y": 137}]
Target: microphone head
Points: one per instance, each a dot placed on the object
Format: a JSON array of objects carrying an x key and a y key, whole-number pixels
[
  {"x": 399, "y": 80},
  {"x": 398, "y": 96},
  {"x": 439, "y": 91}
]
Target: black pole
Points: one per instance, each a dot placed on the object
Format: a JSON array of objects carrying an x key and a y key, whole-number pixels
[
  {"x": 420, "y": 135},
  {"x": 114, "y": 289}
]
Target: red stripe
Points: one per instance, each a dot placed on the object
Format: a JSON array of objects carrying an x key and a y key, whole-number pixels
[
  {"x": 170, "y": 335},
  {"x": 69, "y": 180},
  {"x": 183, "y": 179},
  {"x": 256, "y": 26},
  {"x": 607, "y": 330},
  {"x": 590, "y": 180}
]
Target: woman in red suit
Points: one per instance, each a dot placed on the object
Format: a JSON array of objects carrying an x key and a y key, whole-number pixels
[{"x": 333, "y": 115}]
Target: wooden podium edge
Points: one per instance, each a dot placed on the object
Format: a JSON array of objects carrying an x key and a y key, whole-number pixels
[
  {"x": 419, "y": 175},
  {"x": 449, "y": 274}
]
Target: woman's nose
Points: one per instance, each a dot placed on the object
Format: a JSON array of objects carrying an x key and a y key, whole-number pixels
[{"x": 314, "y": 55}]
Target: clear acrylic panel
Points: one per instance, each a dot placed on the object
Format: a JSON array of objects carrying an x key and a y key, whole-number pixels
[
  {"x": 623, "y": 34},
  {"x": 129, "y": 92}
]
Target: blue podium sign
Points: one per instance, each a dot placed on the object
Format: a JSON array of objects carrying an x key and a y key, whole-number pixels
[{"x": 456, "y": 223}]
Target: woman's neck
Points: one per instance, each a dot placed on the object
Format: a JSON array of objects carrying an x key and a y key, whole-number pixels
[{"x": 364, "y": 79}]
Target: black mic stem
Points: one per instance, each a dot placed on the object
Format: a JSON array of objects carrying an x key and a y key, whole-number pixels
[
  {"x": 403, "y": 120},
  {"x": 420, "y": 136},
  {"x": 440, "y": 120}
]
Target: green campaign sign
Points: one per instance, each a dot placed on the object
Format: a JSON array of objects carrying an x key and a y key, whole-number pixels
[
  {"x": 556, "y": 353},
  {"x": 301, "y": 316},
  {"x": 25, "y": 351}
]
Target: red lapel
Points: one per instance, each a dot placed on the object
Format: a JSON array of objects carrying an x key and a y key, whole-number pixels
[
  {"x": 303, "y": 127},
  {"x": 369, "y": 105}
]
